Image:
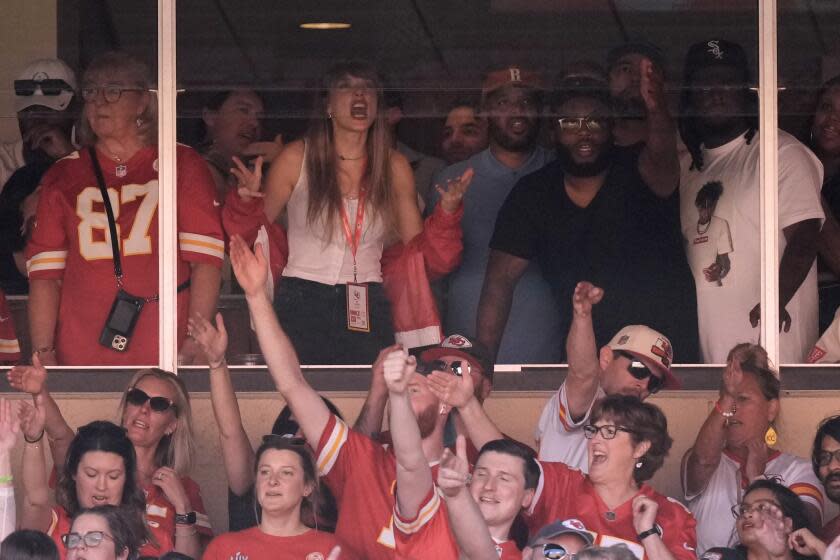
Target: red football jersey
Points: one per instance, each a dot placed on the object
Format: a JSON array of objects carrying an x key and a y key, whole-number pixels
[
  {"x": 564, "y": 493},
  {"x": 361, "y": 474},
  {"x": 9, "y": 346},
  {"x": 429, "y": 536},
  {"x": 253, "y": 544},
  {"x": 161, "y": 515},
  {"x": 71, "y": 242}
]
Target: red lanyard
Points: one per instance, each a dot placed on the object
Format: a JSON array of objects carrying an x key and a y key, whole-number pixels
[{"x": 355, "y": 237}]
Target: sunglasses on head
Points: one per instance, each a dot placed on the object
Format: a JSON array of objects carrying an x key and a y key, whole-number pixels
[
  {"x": 47, "y": 87},
  {"x": 641, "y": 371},
  {"x": 138, "y": 397}
]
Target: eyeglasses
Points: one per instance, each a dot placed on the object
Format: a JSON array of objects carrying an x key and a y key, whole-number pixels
[
  {"x": 111, "y": 94},
  {"x": 575, "y": 124},
  {"x": 760, "y": 507},
  {"x": 607, "y": 431},
  {"x": 48, "y": 87},
  {"x": 555, "y": 552},
  {"x": 457, "y": 367},
  {"x": 642, "y": 372},
  {"x": 138, "y": 397},
  {"x": 824, "y": 457},
  {"x": 91, "y": 539}
]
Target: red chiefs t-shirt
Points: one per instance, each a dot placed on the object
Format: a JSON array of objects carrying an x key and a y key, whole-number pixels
[
  {"x": 429, "y": 536},
  {"x": 564, "y": 493},
  {"x": 71, "y": 242},
  {"x": 253, "y": 544},
  {"x": 9, "y": 346},
  {"x": 361, "y": 474},
  {"x": 160, "y": 514}
]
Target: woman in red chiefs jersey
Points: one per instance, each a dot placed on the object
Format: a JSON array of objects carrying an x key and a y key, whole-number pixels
[
  {"x": 286, "y": 482},
  {"x": 156, "y": 418},
  {"x": 100, "y": 469},
  {"x": 627, "y": 441},
  {"x": 83, "y": 309}
]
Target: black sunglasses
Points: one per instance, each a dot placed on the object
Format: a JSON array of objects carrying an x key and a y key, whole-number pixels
[
  {"x": 48, "y": 87},
  {"x": 289, "y": 439},
  {"x": 138, "y": 397},
  {"x": 641, "y": 371},
  {"x": 553, "y": 551},
  {"x": 457, "y": 367}
]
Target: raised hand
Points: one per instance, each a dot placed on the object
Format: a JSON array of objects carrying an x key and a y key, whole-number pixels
[
  {"x": 248, "y": 182},
  {"x": 454, "y": 472},
  {"x": 250, "y": 268},
  {"x": 806, "y": 543},
  {"x": 9, "y": 426},
  {"x": 453, "y": 193},
  {"x": 585, "y": 297},
  {"x": 268, "y": 150},
  {"x": 29, "y": 379},
  {"x": 32, "y": 418},
  {"x": 397, "y": 370},
  {"x": 378, "y": 371},
  {"x": 644, "y": 513},
  {"x": 771, "y": 529},
  {"x": 652, "y": 86},
  {"x": 451, "y": 389},
  {"x": 212, "y": 341}
]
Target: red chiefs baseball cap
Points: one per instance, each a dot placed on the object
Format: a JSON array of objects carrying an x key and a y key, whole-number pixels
[
  {"x": 567, "y": 527},
  {"x": 651, "y": 347},
  {"x": 459, "y": 345}
]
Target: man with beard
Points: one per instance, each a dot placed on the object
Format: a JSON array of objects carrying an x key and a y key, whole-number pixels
[
  {"x": 603, "y": 214},
  {"x": 511, "y": 103},
  {"x": 719, "y": 127},
  {"x": 825, "y": 459},
  {"x": 623, "y": 64},
  {"x": 359, "y": 471}
]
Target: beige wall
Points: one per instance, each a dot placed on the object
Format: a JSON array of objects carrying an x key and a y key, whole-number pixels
[
  {"x": 28, "y": 31},
  {"x": 516, "y": 413}
]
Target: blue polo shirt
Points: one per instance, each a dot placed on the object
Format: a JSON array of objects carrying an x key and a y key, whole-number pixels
[{"x": 532, "y": 334}]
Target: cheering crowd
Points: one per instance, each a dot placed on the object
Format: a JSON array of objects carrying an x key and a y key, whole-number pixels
[{"x": 349, "y": 247}]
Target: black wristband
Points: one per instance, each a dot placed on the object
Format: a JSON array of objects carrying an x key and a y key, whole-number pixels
[
  {"x": 186, "y": 518},
  {"x": 655, "y": 530}
]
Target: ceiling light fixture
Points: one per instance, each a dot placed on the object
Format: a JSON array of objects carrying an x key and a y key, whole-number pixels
[{"x": 325, "y": 25}]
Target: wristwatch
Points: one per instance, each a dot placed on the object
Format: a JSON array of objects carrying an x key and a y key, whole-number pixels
[
  {"x": 185, "y": 518},
  {"x": 655, "y": 530}
]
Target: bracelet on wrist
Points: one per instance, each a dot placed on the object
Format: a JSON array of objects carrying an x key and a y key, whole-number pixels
[
  {"x": 220, "y": 364},
  {"x": 36, "y": 440}
]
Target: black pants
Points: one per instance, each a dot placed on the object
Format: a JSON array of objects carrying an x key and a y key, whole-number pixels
[{"x": 314, "y": 315}]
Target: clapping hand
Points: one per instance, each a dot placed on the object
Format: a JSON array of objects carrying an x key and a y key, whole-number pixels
[
  {"x": 451, "y": 390},
  {"x": 9, "y": 426}
]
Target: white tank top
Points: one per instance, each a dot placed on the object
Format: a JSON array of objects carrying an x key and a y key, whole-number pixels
[{"x": 313, "y": 257}]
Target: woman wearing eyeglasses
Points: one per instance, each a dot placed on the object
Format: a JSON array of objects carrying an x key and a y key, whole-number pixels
[
  {"x": 627, "y": 441},
  {"x": 735, "y": 446},
  {"x": 286, "y": 484},
  {"x": 93, "y": 302},
  {"x": 771, "y": 522},
  {"x": 156, "y": 416},
  {"x": 104, "y": 532}
]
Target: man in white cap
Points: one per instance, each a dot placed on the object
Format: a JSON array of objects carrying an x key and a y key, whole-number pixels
[
  {"x": 637, "y": 361},
  {"x": 44, "y": 93}
]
